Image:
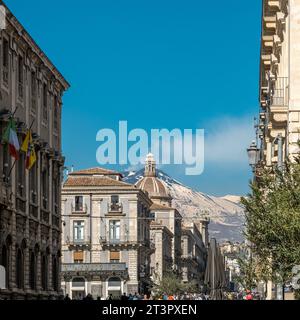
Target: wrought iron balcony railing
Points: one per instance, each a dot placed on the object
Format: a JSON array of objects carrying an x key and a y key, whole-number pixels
[
  {"x": 79, "y": 208},
  {"x": 77, "y": 267},
  {"x": 115, "y": 208},
  {"x": 279, "y": 92}
]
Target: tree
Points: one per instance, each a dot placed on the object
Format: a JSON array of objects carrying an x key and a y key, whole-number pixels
[
  {"x": 272, "y": 213},
  {"x": 171, "y": 283},
  {"x": 247, "y": 277}
]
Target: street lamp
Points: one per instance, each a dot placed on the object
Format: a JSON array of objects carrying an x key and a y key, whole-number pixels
[{"x": 253, "y": 155}]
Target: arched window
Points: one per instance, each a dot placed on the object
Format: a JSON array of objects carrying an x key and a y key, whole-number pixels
[
  {"x": 5, "y": 262},
  {"x": 19, "y": 269},
  {"x": 54, "y": 274},
  {"x": 114, "y": 282},
  {"x": 44, "y": 273},
  {"x": 32, "y": 271},
  {"x": 78, "y": 282}
]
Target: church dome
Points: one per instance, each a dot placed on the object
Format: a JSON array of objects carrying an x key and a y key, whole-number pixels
[{"x": 155, "y": 187}]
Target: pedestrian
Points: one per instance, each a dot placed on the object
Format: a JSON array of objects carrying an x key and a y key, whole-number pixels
[
  {"x": 67, "y": 298},
  {"x": 249, "y": 295},
  {"x": 135, "y": 297},
  {"x": 124, "y": 297}
]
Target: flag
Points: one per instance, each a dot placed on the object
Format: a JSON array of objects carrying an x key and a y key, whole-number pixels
[
  {"x": 10, "y": 137},
  {"x": 28, "y": 148}
]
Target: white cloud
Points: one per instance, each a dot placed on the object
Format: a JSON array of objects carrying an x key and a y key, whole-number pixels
[{"x": 227, "y": 139}]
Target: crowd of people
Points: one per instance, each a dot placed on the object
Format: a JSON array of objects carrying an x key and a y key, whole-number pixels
[
  {"x": 242, "y": 295},
  {"x": 136, "y": 296}
]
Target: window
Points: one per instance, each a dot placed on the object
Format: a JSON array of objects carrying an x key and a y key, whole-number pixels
[
  {"x": 44, "y": 273},
  {"x": 54, "y": 274},
  {"x": 55, "y": 188},
  {"x": 5, "y": 52},
  {"x": 78, "y": 256},
  {"x": 5, "y": 263},
  {"x": 79, "y": 203},
  {"x": 6, "y": 163},
  {"x": 78, "y": 231},
  {"x": 20, "y": 76},
  {"x": 21, "y": 175},
  {"x": 32, "y": 271},
  {"x": 115, "y": 199},
  {"x": 114, "y": 256},
  {"x": 5, "y": 60},
  {"x": 33, "y": 184},
  {"x": 45, "y": 185},
  {"x": 33, "y": 90},
  {"x": 55, "y": 113},
  {"x": 114, "y": 230},
  {"x": 45, "y": 103},
  {"x": 19, "y": 269}
]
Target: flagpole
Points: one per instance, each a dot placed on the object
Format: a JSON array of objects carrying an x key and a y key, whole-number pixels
[
  {"x": 13, "y": 114},
  {"x": 31, "y": 124},
  {"x": 11, "y": 169}
]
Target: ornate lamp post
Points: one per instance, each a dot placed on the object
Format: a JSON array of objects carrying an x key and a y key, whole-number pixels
[{"x": 253, "y": 155}]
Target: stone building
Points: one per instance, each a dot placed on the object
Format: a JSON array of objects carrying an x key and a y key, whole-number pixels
[
  {"x": 106, "y": 235},
  {"x": 31, "y": 90},
  {"x": 163, "y": 213},
  {"x": 161, "y": 261},
  {"x": 279, "y": 81},
  {"x": 180, "y": 244},
  {"x": 194, "y": 254},
  {"x": 279, "y": 87}
]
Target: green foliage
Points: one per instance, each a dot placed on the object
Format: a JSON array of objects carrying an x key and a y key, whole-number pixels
[
  {"x": 273, "y": 221},
  {"x": 297, "y": 294},
  {"x": 171, "y": 283},
  {"x": 247, "y": 277}
]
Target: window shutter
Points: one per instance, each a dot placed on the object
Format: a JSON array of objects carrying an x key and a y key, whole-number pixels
[
  {"x": 78, "y": 255},
  {"x": 114, "y": 255}
]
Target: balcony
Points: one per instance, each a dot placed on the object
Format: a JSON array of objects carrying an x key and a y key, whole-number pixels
[
  {"x": 102, "y": 270},
  {"x": 270, "y": 24},
  {"x": 4, "y": 195},
  {"x": 115, "y": 208},
  {"x": 274, "y": 6},
  {"x": 108, "y": 243},
  {"x": 79, "y": 243},
  {"x": 279, "y": 90},
  {"x": 79, "y": 209}
]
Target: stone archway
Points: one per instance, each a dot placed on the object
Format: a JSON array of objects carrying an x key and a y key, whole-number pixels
[{"x": 114, "y": 287}]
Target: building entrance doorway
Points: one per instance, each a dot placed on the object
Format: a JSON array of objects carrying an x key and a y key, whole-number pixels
[
  {"x": 78, "y": 288},
  {"x": 114, "y": 287}
]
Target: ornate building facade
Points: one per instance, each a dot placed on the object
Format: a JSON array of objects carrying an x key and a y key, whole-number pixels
[
  {"x": 180, "y": 244},
  {"x": 106, "y": 235},
  {"x": 164, "y": 214},
  {"x": 194, "y": 254},
  {"x": 279, "y": 82},
  {"x": 31, "y": 90},
  {"x": 279, "y": 88}
]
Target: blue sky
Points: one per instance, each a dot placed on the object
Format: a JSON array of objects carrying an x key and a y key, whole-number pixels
[{"x": 157, "y": 64}]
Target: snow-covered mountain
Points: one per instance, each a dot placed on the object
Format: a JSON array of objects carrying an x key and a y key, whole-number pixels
[{"x": 225, "y": 213}]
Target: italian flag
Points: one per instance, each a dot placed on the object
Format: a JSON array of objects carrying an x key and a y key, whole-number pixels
[{"x": 10, "y": 137}]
